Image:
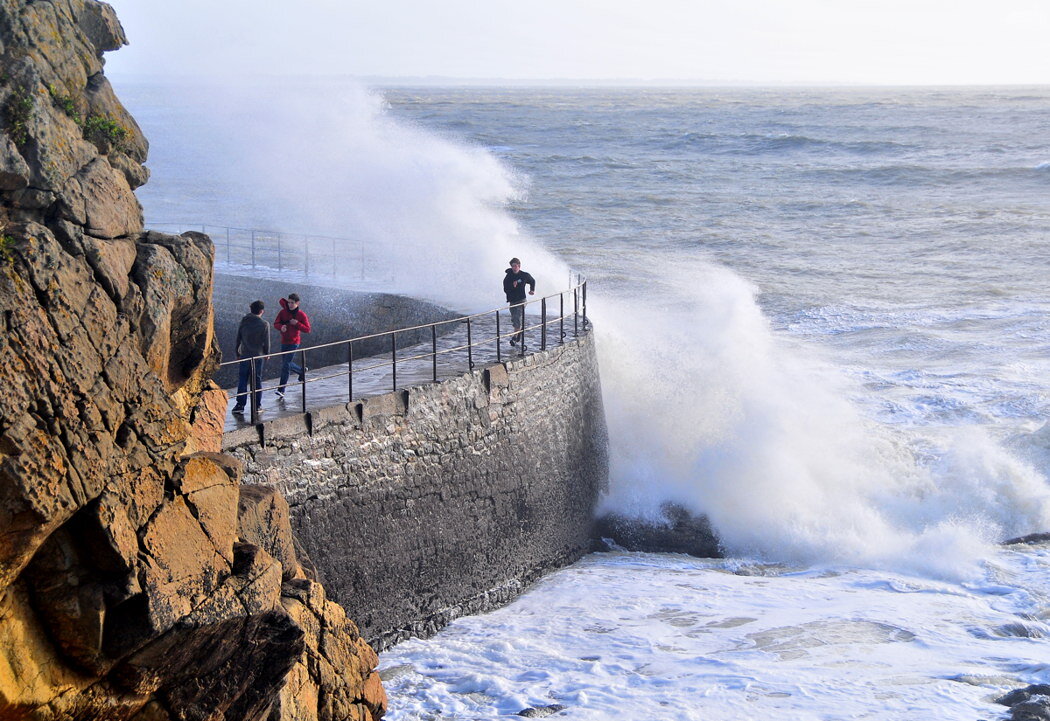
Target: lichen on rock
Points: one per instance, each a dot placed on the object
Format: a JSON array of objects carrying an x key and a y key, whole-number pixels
[{"x": 138, "y": 578}]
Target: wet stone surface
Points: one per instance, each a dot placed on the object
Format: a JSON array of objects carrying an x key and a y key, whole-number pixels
[{"x": 372, "y": 376}]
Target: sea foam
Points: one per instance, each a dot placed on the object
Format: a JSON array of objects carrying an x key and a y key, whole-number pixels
[{"x": 710, "y": 408}]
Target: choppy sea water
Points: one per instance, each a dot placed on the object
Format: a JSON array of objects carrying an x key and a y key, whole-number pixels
[{"x": 822, "y": 321}]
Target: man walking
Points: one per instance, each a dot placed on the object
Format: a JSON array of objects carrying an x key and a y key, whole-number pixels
[
  {"x": 253, "y": 341},
  {"x": 514, "y": 286},
  {"x": 292, "y": 322}
]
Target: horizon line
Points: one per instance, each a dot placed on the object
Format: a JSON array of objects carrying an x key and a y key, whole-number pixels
[{"x": 451, "y": 81}]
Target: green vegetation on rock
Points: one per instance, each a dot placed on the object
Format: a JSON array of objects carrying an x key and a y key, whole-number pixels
[
  {"x": 102, "y": 130},
  {"x": 7, "y": 247},
  {"x": 65, "y": 103},
  {"x": 16, "y": 113}
]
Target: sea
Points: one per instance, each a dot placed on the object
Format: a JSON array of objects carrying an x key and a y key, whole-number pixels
[{"x": 822, "y": 320}]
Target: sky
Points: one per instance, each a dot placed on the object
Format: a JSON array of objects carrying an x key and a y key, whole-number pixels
[{"x": 890, "y": 42}]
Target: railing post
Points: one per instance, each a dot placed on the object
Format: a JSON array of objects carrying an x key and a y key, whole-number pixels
[
  {"x": 302, "y": 365},
  {"x": 350, "y": 371},
  {"x": 561, "y": 316},
  {"x": 393, "y": 356},
  {"x": 575, "y": 311},
  {"x": 434, "y": 350},
  {"x": 499, "y": 341},
  {"x": 253, "y": 387},
  {"x": 543, "y": 324},
  {"x": 470, "y": 348},
  {"x": 279, "y": 267},
  {"x": 253, "y": 250},
  {"x": 584, "y": 305}
]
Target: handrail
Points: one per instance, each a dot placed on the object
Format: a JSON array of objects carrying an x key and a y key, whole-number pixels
[
  {"x": 577, "y": 289},
  {"x": 284, "y": 251}
]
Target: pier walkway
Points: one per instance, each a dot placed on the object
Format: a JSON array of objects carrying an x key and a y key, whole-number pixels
[{"x": 473, "y": 342}]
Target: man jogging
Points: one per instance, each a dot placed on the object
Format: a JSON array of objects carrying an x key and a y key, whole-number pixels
[
  {"x": 292, "y": 322},
  {"x": 514, "y": 286},
  {"x": 253, "y": 341}
]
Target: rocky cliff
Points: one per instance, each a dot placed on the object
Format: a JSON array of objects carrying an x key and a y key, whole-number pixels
[{"x": 138, "y": 578}]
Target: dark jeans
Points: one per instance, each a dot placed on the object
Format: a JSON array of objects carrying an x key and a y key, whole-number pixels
[
  {"x": 244, "y": 371},
  {"x": 288, "y": 365}
]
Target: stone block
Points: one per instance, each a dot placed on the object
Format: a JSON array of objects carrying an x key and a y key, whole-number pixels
[
  {"x": 285, "y": 428},
  {"x": 384, "y": 406},
  {"x": 338, "y": 415},
  {"x": 247, "y": 436}
]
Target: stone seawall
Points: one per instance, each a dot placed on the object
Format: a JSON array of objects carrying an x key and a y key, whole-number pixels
[{"x": 446, "y": 499}]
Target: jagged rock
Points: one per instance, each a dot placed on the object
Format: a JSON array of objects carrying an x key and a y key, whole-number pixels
[
  {"x": 541, "y": 711},
  {"x": 1030, "y": 540},
  {"x": 14, "y": 173},
  {"x": 335, "y": 679},
  {"x": 1031, "y": 703},
  {"x": 172, "y": 304},
  {"x": 99, "y": 198},
  {"x": 681, "y": 532},
  {"x": 99, "y": 23},
  {"x": 207, "y": 421},
  {"x": 265, "y": 521},
  {"x": 134, "y": 172},
  {"x": 132, "y": 583}
]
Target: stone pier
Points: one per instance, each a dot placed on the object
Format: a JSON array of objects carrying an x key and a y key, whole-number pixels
[{"x": 444, "y": 499}]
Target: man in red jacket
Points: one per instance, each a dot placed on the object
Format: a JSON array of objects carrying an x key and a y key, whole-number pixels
[{"x": 292, "y": 322}]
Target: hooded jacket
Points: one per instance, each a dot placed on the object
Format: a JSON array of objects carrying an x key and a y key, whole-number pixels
[
  {"x": 291, "y": 335},
  {"x": 253, "y": 337},
  {"x": 516, "y": 295}
]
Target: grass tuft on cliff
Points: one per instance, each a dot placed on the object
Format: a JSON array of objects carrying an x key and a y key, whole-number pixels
[{"x": 16, "y": 114}]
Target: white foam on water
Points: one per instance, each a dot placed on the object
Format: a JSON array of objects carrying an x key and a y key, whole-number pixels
[
  {"x": 670, "y": 637},
  {"x": 709, "y": 408}
]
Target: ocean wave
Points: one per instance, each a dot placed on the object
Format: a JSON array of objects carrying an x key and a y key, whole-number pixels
[
  {"x": 926, "y": 175},
  {"x": 760, "y": 144}
]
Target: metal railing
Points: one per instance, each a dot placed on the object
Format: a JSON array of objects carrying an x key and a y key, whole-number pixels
[
  {"x": 283, "y": 252},
  {"x": 568, "y": 320}
]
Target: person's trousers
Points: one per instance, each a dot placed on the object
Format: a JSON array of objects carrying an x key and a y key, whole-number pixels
[
  {"x": 517, "y": 317},
  {"x": 288, "y": 364},
  {"x": 244, "y": 371}
]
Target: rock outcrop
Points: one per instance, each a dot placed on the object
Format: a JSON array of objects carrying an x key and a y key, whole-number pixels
[
  {"x": 679, "y": 531},
  {"x": 138, "y": 578}
]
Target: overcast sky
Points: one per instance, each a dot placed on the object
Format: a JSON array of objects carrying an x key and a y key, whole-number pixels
[{"x": 735, "y": 41}]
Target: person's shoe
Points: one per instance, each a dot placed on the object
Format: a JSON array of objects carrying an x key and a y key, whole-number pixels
[
  {"x": 513, "y": 341},
  {"x": 239, "y": 410},
  {"x": 279, "y": 392}
]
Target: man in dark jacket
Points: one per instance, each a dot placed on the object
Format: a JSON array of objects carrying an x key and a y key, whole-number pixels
[
  {"x": 292, "y": 322},
  {"x": 253, "y": 341},
  {"x": 514, "y": 283}
]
